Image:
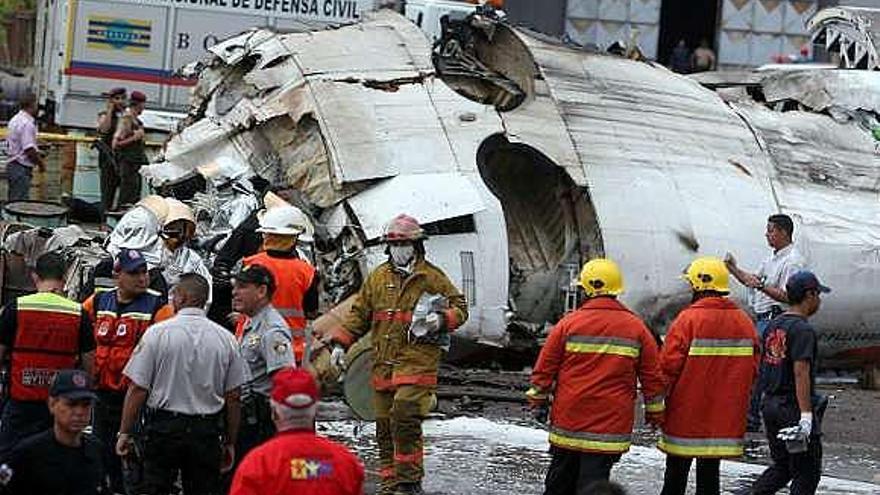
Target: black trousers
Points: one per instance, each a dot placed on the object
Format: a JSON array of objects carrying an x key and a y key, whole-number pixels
[
  {"x": 571, "y": 472},
  {"x": 256, "y": 427},
  {"x": 188, "y": 445},
  {"x": 108, "y": 416},
  {"x": 109, "y": 179},
  {"x": 129, "y": 182},
  {"x": 675, "y": 480},
  {"x": 802, "y": 470}
]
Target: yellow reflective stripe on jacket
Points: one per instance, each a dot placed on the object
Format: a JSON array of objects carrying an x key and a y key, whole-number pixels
[
  {"x": 655, "y": 404},
  {"x": 701, "y": 447},
  {"x": 603, "y": 345},
  {"x": 48, "y": 302},
  {"x": 611, "y": 443},
  {"x": 721, "y": 347}
]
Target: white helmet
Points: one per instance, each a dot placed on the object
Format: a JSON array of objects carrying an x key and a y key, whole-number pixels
[
  {"x": 178, "y": 210},
  {"x": 157, "y": 205},
  {"x": 287, "y": 220}
]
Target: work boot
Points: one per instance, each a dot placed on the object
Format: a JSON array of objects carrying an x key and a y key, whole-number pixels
[{"x": 409, "y": 489}]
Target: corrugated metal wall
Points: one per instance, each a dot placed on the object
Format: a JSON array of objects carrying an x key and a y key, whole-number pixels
[
  {"x": 546, "y": 16},
  {"x": 750, "y": 32},
  {"x": 602, "y": 22},
  {"x": 757, "y": 32}
]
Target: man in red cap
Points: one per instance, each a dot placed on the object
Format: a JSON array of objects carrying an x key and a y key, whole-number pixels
[
  {"x": 129, "y": 145},
  {"x": 297, "y": 460}
]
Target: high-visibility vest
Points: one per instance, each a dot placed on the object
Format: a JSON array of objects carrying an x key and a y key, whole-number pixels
[
  {"x": 293, "y": 277},
  {"x": 118, "y": 332},
  {"x": 46, "y": 341}
]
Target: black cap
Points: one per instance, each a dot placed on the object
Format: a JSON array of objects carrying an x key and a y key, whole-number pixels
[
  {"x": 72, "y": 384},
  {"x": 256, "y": 274},
  {"x": 801, "y": 282}
]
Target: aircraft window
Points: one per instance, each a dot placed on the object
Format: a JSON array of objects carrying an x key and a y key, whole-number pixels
[
  {"x": 468, "y": 278},
  {"x": 456, "y": 225}
]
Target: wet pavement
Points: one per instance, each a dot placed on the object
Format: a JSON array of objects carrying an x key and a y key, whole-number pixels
[{"x": 474, "y": 455}]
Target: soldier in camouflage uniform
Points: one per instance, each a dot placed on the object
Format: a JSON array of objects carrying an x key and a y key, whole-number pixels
[{"x": 405, "y": 365}]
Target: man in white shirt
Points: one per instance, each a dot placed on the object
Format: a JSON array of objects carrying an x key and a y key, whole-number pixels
[
  {"x": 187, "y": 371},
  {"x": 23, "y": 152},
  {"x": 769, "y": 299}
]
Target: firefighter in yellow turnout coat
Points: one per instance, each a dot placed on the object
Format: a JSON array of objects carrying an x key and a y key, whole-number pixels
[{"x": 405, "y": 364}]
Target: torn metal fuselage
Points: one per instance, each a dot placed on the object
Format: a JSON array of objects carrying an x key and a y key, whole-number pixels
[{"x": 525, "y": 157}]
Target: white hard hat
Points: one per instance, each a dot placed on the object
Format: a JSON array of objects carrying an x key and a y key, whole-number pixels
[
  {"x": 157, "y": 205},
  {"x": 178, "y": 210},
  {"x": 287, "y": 220}
]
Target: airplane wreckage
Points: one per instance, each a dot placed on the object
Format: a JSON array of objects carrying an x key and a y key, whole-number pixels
[{"x": 525, "y": 157}]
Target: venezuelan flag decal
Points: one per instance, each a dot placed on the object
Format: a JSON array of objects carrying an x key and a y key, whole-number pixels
[{"x": 128, "y": 35}]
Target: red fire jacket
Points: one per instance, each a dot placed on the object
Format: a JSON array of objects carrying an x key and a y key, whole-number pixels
[
  {"x": 47, "y": 340},
  {"x": 594, "y": 356},
  {"x": 293, "y": 277},
  {"x": 709, "y": 359},
  {"x": 298, "y": 462}
]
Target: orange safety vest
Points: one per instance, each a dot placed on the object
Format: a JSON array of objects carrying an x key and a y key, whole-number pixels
[
  {"x": 710, "y": 358},
  {"x": 117, "y": 333},
  {"x": 46, "y": 341},
  {"x": 293, "y": 277},
  {"x": 594, "y": 355}
]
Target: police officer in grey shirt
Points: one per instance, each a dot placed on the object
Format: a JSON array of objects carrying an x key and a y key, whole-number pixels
[
  {"x": 265, "y": 345},
  {"x": 186, "y": 370}
]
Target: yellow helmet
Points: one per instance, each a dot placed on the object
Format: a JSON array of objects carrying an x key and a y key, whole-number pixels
[
  {"x": 601, "y": 277},
  {"x": 708, "y": 274}
]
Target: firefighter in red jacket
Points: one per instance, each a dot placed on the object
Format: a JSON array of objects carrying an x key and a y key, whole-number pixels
[
  {"x": 296, "y": 293},
  {"x": 709, "y": 359},
  {"x": 297, "y": 461},
  {"x": 594, "y": 356}
]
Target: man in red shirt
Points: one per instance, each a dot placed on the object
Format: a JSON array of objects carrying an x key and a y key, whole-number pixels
[{"x": 297, "y": 460}]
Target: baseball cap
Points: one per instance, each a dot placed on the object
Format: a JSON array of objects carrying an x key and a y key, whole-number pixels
[
  {"x": 72, "y": 384},
  {"x": 295, "y": 388},
  {"x": 120, "y": 91},
  {"x": 129, "y": 261},
  {"x": 803, "y": 281},
  {"x": 255, "y": 274},
  {"x": 137, "y": 96}
]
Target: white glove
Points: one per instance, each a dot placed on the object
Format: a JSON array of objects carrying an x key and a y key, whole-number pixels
[
  {"x": 337, "y": 358},
  {"x": 806, "y": 424},
  {"x": 799, "y": 432}
]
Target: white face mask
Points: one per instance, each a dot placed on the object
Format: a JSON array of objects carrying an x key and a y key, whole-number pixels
[{"x": 402, "y": 255}]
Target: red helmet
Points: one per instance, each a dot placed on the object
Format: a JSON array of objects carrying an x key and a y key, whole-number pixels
[{"x": 403, "y": 228}]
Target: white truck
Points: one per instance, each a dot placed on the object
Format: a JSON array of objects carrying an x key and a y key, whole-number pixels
[{"x": 86, "y": 47}]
